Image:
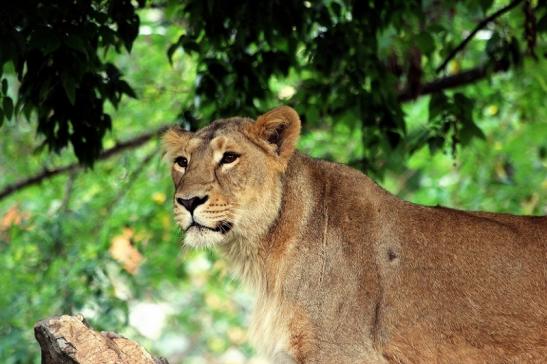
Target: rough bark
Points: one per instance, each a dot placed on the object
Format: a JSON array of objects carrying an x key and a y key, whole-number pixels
[{"x": 70, "y": 340}]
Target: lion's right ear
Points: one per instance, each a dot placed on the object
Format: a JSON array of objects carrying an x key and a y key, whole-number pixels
[
  {"x": 173, "y": 140},
  {"x": 280, "y": 129}
]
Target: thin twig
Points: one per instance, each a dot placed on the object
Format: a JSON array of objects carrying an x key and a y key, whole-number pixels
[
  {"x": 48, "y": 173},
  {"x": 481, "y": 25},
  {"x": 131, "y": 180}
]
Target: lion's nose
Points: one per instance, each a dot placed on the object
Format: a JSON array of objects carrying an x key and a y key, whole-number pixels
[{"x": 191, "y": 203}]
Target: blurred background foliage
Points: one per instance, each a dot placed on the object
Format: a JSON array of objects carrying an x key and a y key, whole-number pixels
[{"x": 365, "y": 77}]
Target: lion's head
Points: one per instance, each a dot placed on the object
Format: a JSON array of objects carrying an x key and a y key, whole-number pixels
[{"x": 228, "y": 175}]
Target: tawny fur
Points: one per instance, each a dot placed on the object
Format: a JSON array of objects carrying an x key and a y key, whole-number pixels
[{"x": 345, "y": 272}]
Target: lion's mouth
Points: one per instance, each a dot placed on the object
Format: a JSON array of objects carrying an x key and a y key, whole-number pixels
[{"x": 223, "y": 228}]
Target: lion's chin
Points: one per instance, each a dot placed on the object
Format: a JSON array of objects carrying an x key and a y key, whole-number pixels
[{"x": 198, "y": 237}]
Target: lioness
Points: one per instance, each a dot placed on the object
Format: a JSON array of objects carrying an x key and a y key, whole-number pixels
[{"x": 345, "y": 272}]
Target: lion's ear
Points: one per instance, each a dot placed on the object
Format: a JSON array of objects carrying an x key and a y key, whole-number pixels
[
  {"x": 174, "y": 139},
  {"x": 280, "y": 128}
]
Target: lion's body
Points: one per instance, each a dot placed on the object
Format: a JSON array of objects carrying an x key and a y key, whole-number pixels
[
  {"x": 371, "y": 278},
  {"x": 347, "y": 273}
]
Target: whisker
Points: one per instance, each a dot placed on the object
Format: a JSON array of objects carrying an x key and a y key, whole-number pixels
[{"x": 215, "y": 211}]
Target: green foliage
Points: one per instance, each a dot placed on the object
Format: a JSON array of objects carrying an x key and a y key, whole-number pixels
[
  {"x": 56, "y": 239},
  {"x": 53, "y": 49},
  {"x": 345, "y": 59},
  {"x": 451, "y": 116}
]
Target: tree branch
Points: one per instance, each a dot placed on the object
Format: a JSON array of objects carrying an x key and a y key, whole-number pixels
[
  {"x": 461, "y": 79},
  {"x": 481, "y": 25},
  {"x": 48, "y": 173}
]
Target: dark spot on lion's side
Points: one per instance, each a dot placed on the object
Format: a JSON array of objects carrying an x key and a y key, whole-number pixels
[{"x": 391, "y": 255}]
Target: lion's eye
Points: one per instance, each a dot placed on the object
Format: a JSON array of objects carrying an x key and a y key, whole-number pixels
[
  {"x": 229, "y": 157},
  {"x": 181, "y": 162}
]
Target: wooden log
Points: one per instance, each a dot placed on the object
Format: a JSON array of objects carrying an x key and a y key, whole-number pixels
[{"x": 70, "y": 340}]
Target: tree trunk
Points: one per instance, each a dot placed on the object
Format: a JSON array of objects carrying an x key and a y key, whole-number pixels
[{"x": 70, "y": 340}]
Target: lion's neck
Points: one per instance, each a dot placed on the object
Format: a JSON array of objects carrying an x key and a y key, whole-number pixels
[
  {"x": 246, "y": 259},
  {"x": 256, "y": 256},
  {"x": 266, "y": 262}
]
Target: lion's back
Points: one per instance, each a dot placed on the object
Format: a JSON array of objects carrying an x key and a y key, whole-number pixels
[
  {"x": 472, "y": 283},
  {"x": 429, "y": 282}
]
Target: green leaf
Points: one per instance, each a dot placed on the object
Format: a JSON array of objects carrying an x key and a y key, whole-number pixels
[
  {"x": 7, "y": 105},
  {"x": 190, "y": 45},
  {"x": 541, "y": 25},
  {"x": 463, "y": 108},
  {"x": 4, "y": 86},
  {"x": 70, "y": 87},
  {"x": 45, "y": 40},
  {"x": 437, "y": 28},
  {"x": 126, "y": 89},
  {"x": 425, "y": 42},
  {"x": 312, "y": 114},
  {"x": 171, "y": 50},
  {"x": 186, "y": 44},
  {"x": 27, "y": 111},
  {"x": 129, "y": 30},
  {"x": 435, "y": 143},
  {"x": 461, "y": 99},
  {"x": 437, "y": 105},
  {"x": 75, "y": 42},
  {"x": 469, "y": 131},
  {"x": 485, "y": 4},
  {"x": 494, "y": 44}
]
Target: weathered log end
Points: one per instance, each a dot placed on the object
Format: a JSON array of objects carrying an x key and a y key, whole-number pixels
[{"x": 70, "y": 340}]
